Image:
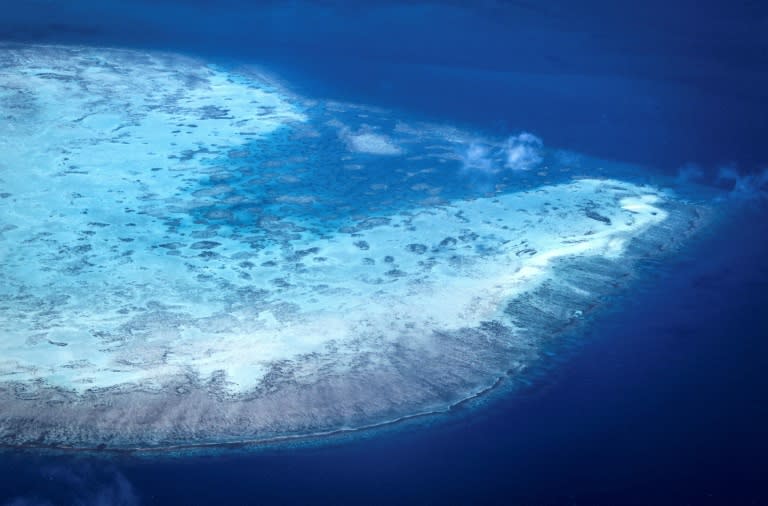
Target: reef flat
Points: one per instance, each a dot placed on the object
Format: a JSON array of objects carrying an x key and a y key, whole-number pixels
[{"x": 192, "y": 255}]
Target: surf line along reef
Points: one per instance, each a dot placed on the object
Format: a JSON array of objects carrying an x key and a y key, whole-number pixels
[{"x": 194, "y": 256}]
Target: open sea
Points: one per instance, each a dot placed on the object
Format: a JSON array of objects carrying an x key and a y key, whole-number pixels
[{"x": 657, "y": 395}]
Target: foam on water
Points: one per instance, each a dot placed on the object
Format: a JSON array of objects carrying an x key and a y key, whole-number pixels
[{"x": 167, "y": 279}]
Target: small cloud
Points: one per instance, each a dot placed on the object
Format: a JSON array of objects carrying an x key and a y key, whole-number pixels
[
  {"x": 518, "y": 152},
  {"x": 478, "y": 157},
  {"x": 523, "y": 151}
]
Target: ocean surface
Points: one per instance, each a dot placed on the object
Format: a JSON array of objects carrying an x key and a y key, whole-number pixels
[{"x": 622, "y": 122}]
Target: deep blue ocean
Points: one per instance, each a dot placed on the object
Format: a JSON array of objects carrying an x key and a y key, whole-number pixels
[{"x": 664, "y": 398}]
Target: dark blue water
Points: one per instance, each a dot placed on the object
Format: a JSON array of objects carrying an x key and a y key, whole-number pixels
[
  {"x": 665, "y": 401},
  {"x": 662, "y": 83}
]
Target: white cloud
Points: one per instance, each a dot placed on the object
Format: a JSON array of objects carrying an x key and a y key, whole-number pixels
[
  {"x": 523, "y": 151},
  {"x": 518, "y": 152},
  {"x": 478, "y": 157}
]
